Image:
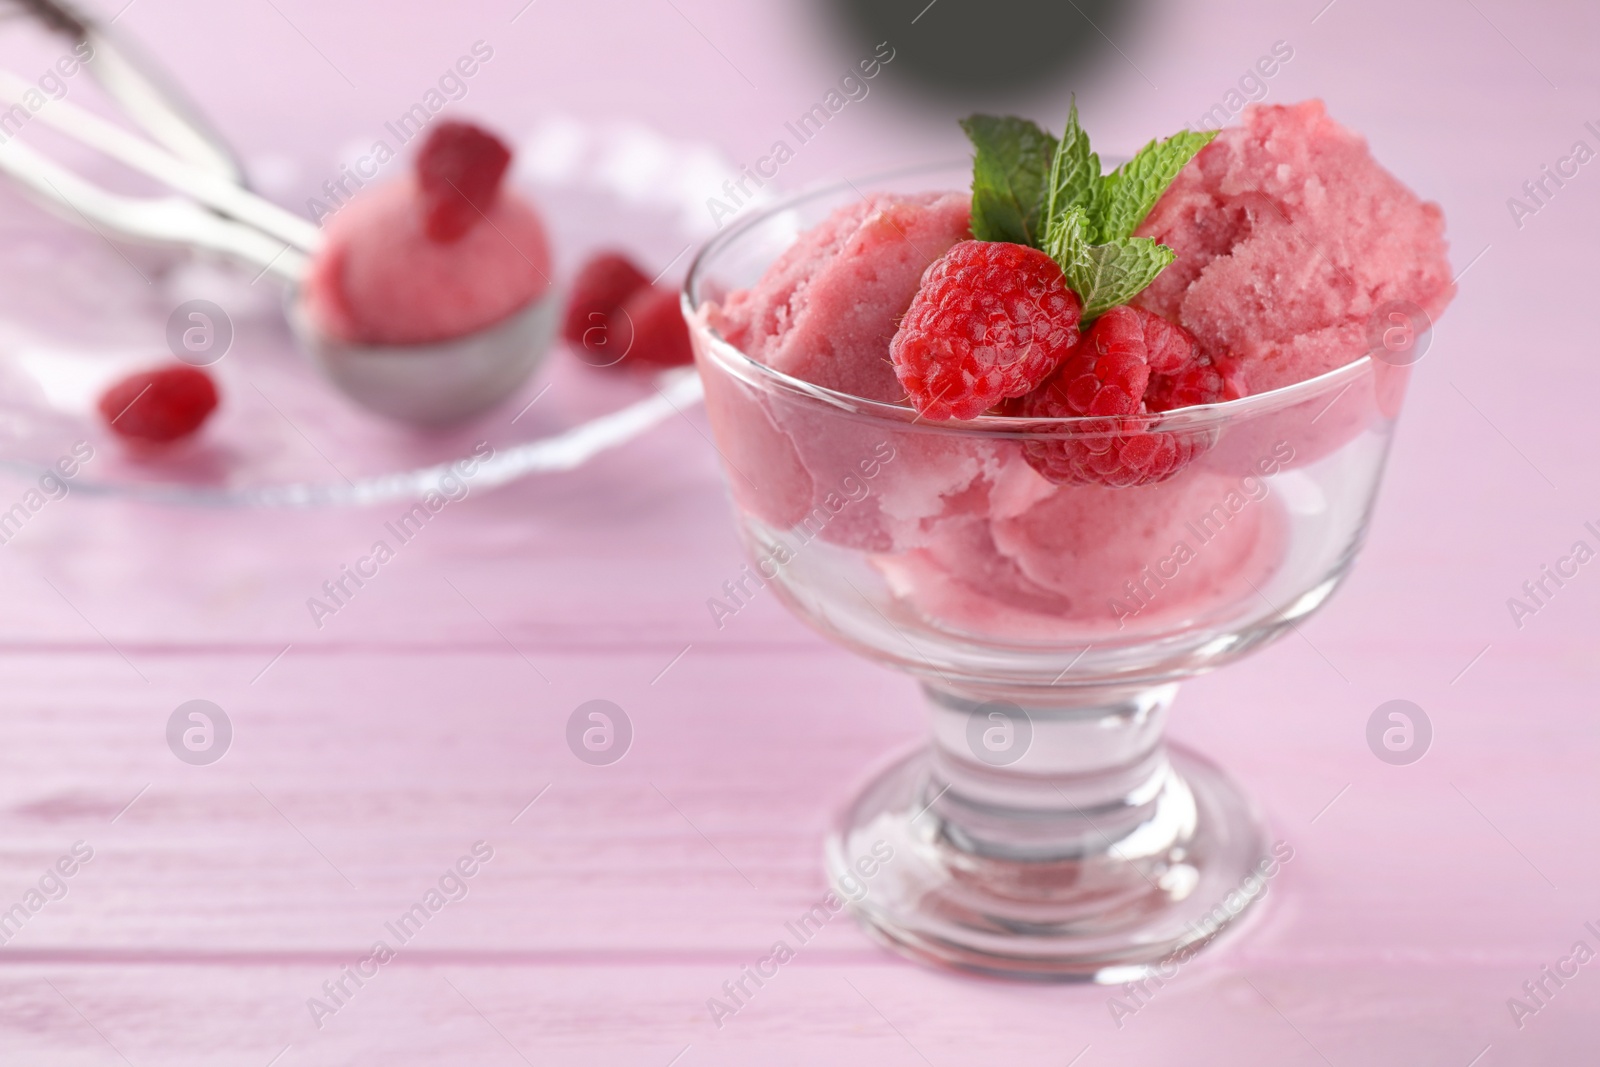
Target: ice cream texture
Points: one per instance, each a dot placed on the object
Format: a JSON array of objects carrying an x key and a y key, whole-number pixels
[
  {"x": 827, "y": 309},
  {"x": 1288, "y": 235}
]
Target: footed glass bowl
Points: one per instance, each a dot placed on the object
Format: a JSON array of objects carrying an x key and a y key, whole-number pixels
[{"x": 1047, "y": 829}]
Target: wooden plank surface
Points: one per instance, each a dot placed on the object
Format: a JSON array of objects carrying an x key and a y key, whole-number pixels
[{"x": 369, "y": 755}]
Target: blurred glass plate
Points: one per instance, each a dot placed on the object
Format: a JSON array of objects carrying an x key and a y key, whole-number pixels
[{"x": 77, "y": 312}]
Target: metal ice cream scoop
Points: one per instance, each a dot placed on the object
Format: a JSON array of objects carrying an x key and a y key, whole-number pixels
[{"x": 210, "y": 209}]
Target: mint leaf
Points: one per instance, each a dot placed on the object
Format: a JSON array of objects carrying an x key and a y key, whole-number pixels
[
  {"x": 1132, "y": 189},
  {"x": 1103, "y": 275},
  {"x": 1074, "y": 176},
  {"x": 1106, "y": 275},
  {"x": 1067, "y": 241},
  {"x": 1010, "y": 168}
]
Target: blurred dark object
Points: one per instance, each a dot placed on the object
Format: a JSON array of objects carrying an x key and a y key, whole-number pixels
[
  {"x": 58, "y": 17},
  {"x": 992, "y": 47}
]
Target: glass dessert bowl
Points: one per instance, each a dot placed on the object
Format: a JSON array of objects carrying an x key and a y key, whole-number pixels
[{"x": 1048, "y": 829}]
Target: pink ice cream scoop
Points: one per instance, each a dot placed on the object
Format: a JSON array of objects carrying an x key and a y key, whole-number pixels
[
  {"x": 825, "y": 312},
  {"x": 1290, "y": 238},
  {"x": 381, "y": 280},
  {"x": 1047, "y": 562},
  {"x": 430, "y": 299},
  {"x": 827, "y": 309}
]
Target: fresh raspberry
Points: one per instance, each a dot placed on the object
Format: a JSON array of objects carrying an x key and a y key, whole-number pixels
[
  {"x": 1129, "y": 364},
  {"x": 158, "y": 406},
  {"x": 459, "y": 170},
  {"x": 650, "y": 329},
  {"x": 602, "y": 286},
  {"x": 1204, "y": 381},
  {"x": 991, "y": 321}
]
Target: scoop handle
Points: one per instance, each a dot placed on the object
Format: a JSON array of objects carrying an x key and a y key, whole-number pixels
[
  {"x": 147, "y": 93},
  {"x": 215, "y": 191},
  {"x": 166, "y": 220}
]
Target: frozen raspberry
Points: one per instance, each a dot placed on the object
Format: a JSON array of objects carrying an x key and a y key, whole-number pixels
[
  {"x": 650, "y": 329},
  {"x": 160, "y": 405},
  {"x": 1129, "y": 364},
  {"x": 602, "y": 286},
  {"x": 459, "y": 170},
  {"x": 991, "y": 321}
]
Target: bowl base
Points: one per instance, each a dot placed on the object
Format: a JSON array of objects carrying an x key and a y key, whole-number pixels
[{"x": 1118, "y": 909}]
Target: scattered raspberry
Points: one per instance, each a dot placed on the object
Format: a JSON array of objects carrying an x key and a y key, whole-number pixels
[
  {"x": 160, "y": 405},
  {"x": 991, "y": 321},
  {"x": 1129, "y": 364},
  {"x": 459, "y": 170},
  {"x": 602, "y": 286},
  {"x": 650, "y": 329},
  {"x": 616, "y": 315}
]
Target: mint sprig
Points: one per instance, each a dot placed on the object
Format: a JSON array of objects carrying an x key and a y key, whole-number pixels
[{"x": 1068, "y": 209}]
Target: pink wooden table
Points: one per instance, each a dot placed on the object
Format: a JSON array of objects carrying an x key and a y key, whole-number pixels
[{"x": 372, "y": 755}]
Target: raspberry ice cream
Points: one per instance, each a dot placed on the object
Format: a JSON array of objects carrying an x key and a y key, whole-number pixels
[
  {"x": 1289, "y": 237},
  {"x": 434, "y": 255},
  {"x": 1062, "y": 562},
  {"x": 825, "y": 313},
  {"x": 1258, "y": 267},
  {"x": 827, "y": 309}
]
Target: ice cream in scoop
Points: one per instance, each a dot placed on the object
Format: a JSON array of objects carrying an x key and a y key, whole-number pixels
[{"x": 437, "y": 254}]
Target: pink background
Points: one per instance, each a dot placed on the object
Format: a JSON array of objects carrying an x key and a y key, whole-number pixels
[{"x": 374, "y": 753}]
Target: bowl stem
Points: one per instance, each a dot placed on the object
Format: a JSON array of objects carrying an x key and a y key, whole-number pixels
[{"x": 1051, "y": 834}]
